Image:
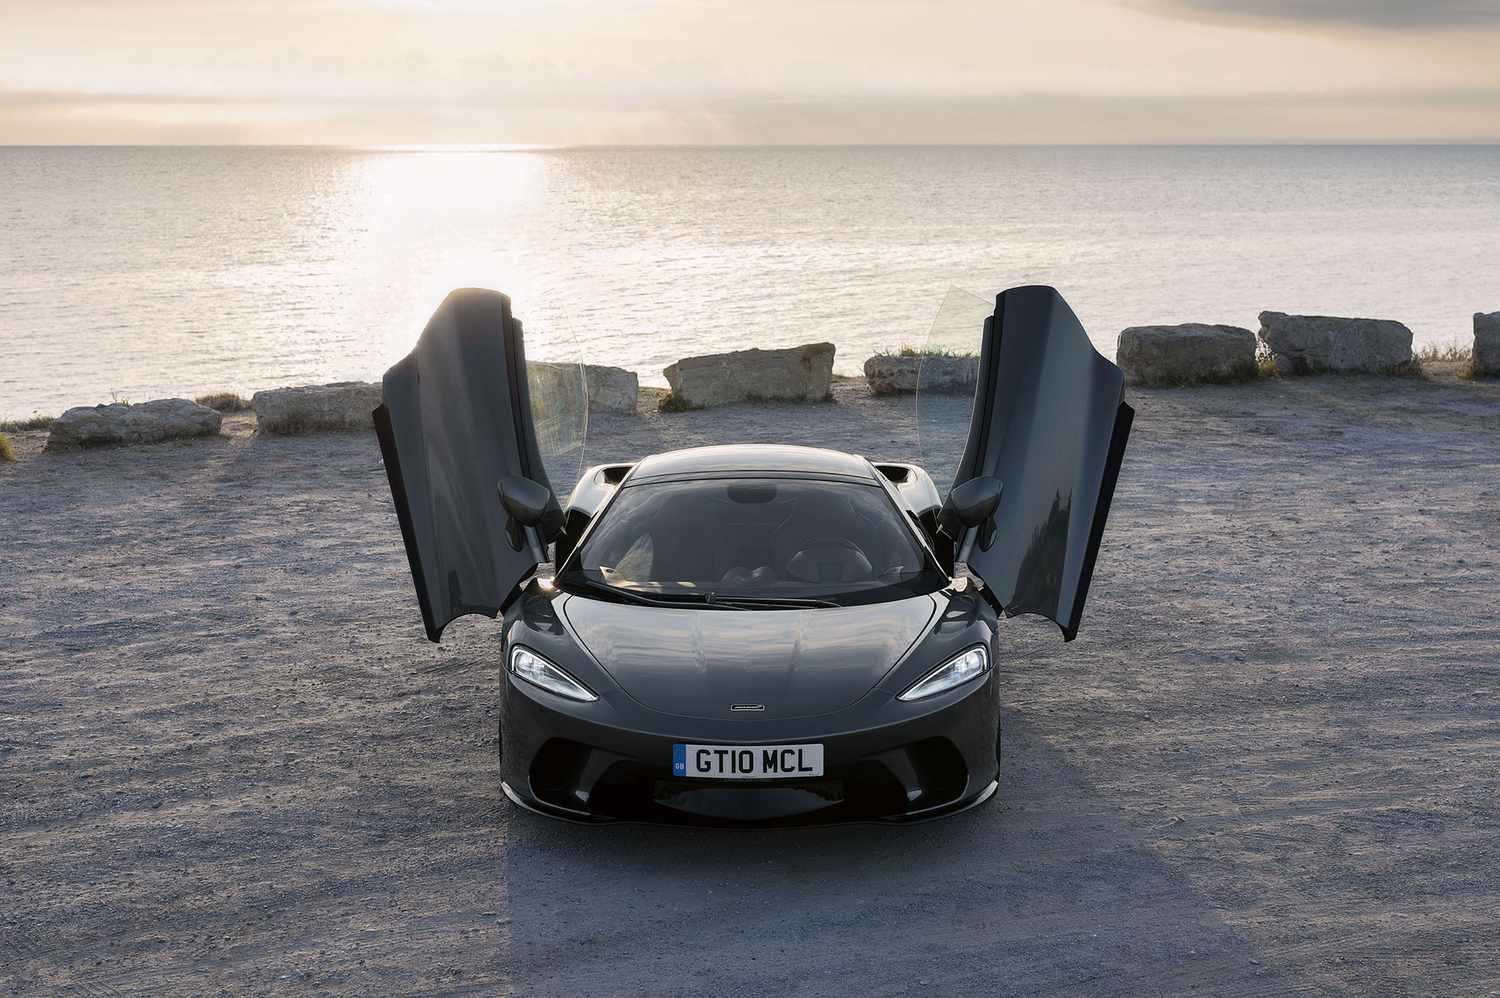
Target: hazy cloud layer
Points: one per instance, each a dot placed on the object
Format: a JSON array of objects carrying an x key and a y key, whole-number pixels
[
  {"x": 1352, "y": 13},
  {"x": 607, "y": 71},
  {"x": 1030, "y": 119}
]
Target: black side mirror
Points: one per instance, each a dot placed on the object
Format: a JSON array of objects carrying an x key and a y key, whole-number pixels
[
  {"x": 972, "y": 504},
  {"x": 528, "y": 504}
]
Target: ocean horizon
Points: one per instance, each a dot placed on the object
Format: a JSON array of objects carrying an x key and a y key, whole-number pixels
[{"x": 141, "y": 272}]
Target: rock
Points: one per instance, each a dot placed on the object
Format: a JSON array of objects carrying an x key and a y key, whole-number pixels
[
  {"x": 610, "y": 389},
  {"x": 1487, "y": 344},
  {"x": 800, "y": 374},
  {"x": 891, "y": 374},
  {"x": 1309, "y": 344},
  {"x": 557, "y": 397},
  {"x": 342, "y": 407},
  {"x": 122, "y": 423},
  {"x": 1186, "y": 354}
]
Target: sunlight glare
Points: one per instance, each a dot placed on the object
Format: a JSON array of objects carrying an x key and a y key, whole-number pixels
[{"x": 427, "y": 225}]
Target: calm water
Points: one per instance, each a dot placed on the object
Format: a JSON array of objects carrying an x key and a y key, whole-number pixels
[{"x": 140, "y": 273}]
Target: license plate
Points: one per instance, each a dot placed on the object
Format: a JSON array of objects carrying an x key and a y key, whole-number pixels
[{"x": 747, "y": 762}]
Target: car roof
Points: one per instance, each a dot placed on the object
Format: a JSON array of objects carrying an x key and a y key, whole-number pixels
[{"x": 777, "y": 459}]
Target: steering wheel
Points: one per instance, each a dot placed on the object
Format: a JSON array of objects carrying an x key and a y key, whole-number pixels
[{"x": 807, "y": 564}]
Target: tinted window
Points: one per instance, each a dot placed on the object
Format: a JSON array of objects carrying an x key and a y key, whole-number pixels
[{"x": 756, "y": 537}]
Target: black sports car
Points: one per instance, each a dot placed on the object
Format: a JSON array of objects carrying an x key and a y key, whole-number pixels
[{"x": 752, "y": 634}]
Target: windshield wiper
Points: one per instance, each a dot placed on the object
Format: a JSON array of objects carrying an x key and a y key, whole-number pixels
[
  {"x": 678, "y": 600},
  {"x": 772, "y": 602}
]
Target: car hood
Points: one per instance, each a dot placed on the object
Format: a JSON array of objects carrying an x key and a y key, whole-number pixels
[{"x": 795, "y": 663}]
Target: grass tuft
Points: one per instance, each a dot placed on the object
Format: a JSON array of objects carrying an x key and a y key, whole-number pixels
[
  {"x": 6, "y": 454},
  {"x": 907, "y": 350},
  {"x": 675, "y": 403},
  {"x": 224, "y": 402},
  {"x": 1447, "y": 351},
  {"x": 36, "y": 421},
  {"x": 1451, "y": 353},
  {"x": 1265, "y": 362}
]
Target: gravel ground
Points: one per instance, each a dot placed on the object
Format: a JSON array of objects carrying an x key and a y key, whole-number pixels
[{"x": 230, "y": 762}]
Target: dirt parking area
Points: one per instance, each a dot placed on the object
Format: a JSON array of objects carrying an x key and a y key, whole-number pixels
[{"x": 229, "y": 761}]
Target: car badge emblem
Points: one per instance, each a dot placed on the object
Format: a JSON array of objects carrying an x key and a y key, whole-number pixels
[{"x": 747, "y": 706}]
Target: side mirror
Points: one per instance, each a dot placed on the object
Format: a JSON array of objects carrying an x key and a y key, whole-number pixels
[
  {"x": 972, "y": 504},
  {"x": 528, "y": 504}
]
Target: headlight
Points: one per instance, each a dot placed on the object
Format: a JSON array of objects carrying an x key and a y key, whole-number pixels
[
  {"x": 955, "y": 672},
  {"x": 539, "y": 672}
]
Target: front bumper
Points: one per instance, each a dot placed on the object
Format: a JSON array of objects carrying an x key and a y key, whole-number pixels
[{"x": 883, "y": 761}]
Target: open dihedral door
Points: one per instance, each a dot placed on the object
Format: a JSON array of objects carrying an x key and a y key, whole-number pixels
[
  {"x": 1050, "y": 422},
  {"x": 456, "y": 419}
]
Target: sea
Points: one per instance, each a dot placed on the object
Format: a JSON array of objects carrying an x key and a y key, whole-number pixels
[{"x": 138, "y": 273}]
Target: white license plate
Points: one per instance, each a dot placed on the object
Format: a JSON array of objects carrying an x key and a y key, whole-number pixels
[{"x": 747, "y": 762}]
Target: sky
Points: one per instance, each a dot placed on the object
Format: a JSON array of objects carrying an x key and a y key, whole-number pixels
[{"x": 567, "y": 72}]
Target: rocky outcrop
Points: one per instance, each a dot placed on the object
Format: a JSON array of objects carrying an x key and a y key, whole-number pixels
[
  {"x": 1487, "y": 344},
  {"x": 1190, "y": 353},
  {"x": 894, "y": 374},
  {"x": 342, "y": 407},
  {"x": 1311, "y": 344},
  {"x": 610, "y": 389},
  {"x": 800, "y": 374},
  {"x": 123, "y": 423}
]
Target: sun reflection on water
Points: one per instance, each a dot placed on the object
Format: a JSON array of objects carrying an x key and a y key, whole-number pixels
[{"x": 422, "y": 225}]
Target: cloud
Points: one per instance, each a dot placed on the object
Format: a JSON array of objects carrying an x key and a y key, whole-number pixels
[
  {"x": 1376, "y": 14},
  {"x": 1037, "y": 118}
]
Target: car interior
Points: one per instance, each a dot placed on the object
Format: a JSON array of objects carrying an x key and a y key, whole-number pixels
[{"x": 750, "y": 534}]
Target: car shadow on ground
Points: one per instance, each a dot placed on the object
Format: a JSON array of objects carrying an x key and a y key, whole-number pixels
[{"x": 1047, "y": 888}]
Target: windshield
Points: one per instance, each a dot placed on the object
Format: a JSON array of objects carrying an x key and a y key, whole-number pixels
[{"x": 755, "y": 539}]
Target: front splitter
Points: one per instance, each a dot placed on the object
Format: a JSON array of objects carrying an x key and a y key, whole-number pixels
[{"x": 580, "y": 818}]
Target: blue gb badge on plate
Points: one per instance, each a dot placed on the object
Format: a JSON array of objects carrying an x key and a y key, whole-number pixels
[{"x": 679, "y": 760}]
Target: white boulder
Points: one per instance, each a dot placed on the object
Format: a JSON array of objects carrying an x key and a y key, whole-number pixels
[
  {"x": 123, "y": 423},
  {"x": 1310, "y": 344},
  {"x": 1487, "y": 344},
  {"x": 1184, "y": 354},
  {"x": 610, "y": 389},
  {"x": 342, "y": 407},
  {"x": 895, "y": 374},
  {"x": 800, "y": 374}
]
